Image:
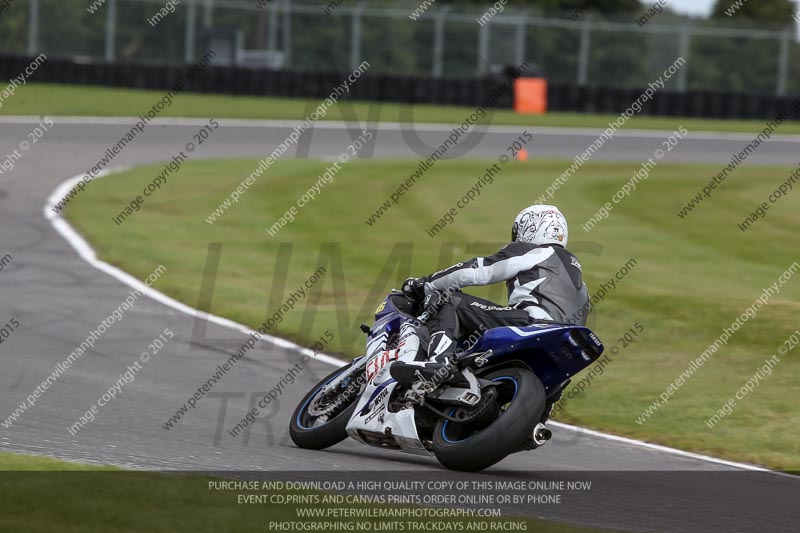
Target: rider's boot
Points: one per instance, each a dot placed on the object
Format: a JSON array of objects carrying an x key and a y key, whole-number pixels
[{"x": 436, "y": 370}]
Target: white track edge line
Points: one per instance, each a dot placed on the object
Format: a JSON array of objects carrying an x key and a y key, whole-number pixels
[
  {"x": 393, "y": 126},
  {"x": 87, "y": 253}
]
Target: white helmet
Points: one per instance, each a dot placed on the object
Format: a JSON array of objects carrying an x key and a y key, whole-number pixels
[{"x": 540, "y": 224}]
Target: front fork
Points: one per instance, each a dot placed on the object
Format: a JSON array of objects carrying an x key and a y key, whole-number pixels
[{"x": 356, "y": 367}]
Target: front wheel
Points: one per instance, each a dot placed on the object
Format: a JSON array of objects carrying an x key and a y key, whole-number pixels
[
  {"x": 320, "y": 419},
  {"x": 478, "y": 443}
]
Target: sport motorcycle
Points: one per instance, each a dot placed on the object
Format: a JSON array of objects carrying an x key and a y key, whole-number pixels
[{"x": 497, "y": 403}]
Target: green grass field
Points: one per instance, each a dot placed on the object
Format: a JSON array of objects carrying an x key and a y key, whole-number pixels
[
  {"x": 73, "y": 100},
  {"x": 42, "y": 495},
  {"x": 692, "y": 278}
]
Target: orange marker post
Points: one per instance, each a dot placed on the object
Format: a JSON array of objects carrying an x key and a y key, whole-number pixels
[{"x": 530, "y": 95}]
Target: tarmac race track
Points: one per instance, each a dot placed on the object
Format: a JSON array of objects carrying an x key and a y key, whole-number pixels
[{"x": 57, "y": 298}]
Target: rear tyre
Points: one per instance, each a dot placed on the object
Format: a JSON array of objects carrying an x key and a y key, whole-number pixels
[
  {"x": 474, "y": 445},
  {"x": 316, "y": 432}
]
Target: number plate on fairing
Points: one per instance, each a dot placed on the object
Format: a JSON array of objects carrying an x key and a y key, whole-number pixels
[{"x": 380, "y": 360}]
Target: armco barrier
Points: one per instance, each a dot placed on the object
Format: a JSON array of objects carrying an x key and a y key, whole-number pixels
[{"x": 385, "y": 88}]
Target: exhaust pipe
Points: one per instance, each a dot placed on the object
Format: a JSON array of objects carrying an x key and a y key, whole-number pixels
[{"x": 541, "y": 434}]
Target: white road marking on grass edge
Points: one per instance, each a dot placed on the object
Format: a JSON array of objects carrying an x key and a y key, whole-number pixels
[
  {"x": 665, "y": 449},
  {"x": 87, "y": 253}
]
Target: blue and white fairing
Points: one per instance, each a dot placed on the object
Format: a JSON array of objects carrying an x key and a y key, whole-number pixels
[
  {"x": 372, "y": 418},
  {"x": 372, "y": 423},
  {"x": 554, "y": 352}
]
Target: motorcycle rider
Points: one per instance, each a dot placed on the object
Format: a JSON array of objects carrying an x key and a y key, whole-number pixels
[{"x": 544, "y": 281}]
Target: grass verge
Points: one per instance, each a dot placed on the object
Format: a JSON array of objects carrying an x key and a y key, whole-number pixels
[
  {"x": 39, "y": 494},
  {"x": 692, "y": 277},
  {"x": 76, "y": 100}
]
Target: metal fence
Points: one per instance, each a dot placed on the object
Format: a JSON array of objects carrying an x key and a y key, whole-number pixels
[{"x": 336, "y": 35}]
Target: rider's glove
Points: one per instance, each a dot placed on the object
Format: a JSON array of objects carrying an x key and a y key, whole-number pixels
[
  {"x": 414, "y": 288},
  {"x": 432, "y": 303}
]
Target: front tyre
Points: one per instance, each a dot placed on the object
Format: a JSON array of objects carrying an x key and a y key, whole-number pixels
[
  {"x": 320, "y": 419},
  {"x": 478, "y": 444}
]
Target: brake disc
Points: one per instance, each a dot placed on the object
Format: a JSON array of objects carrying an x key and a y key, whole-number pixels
[{"x": 318, "y": 408}]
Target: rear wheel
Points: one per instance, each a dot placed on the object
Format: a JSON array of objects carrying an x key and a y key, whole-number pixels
[
  {"x": 321, "y": 417},
  {"x": 484, "y": 440}
]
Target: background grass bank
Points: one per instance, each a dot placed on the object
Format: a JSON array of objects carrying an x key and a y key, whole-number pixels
[
  {"x": 692, "y": 277},
  {"x": 78, "y": 100}
]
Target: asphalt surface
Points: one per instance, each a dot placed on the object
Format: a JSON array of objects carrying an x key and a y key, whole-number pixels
[{"x": 58, "y": 298}]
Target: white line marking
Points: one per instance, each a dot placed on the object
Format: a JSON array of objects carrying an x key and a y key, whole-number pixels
[
  {"x": 664, "y": 449},
  {"x": 88, "y": 254},
  {"x": 397, "y": 126}
]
